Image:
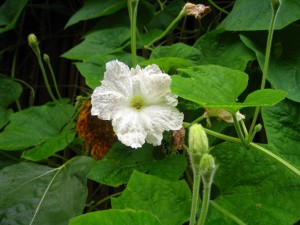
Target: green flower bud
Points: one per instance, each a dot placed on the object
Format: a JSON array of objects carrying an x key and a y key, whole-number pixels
[
  {"x": 198, "y": 142},
  {"x": 275, "y": 4},
  {"x": 207, "y": 168},
  {"x": 34, "y": 43}
]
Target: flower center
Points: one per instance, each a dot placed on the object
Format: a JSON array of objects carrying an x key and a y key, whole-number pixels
[{"x": 137, "y": 102}]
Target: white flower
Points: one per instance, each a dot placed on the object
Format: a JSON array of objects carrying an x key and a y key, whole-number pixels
[
  {"x": 139, "y": 103},
  {"x": 221, "y": 114}
]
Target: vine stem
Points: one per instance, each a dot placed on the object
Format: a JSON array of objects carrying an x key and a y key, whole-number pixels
[
  {"x": 205, "y": 203},
  {"x": 132, "y": 8},
  {"x": 275, "y": 11},
  {"x": 195, "y": 197},
  {"x": 217, "y": 7},
  {"x": 167, "y": 30}
]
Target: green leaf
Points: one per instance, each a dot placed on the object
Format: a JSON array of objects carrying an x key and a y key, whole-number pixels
[
  {"x": 10, "y": 11},
  {"x": 213, "y": 86},
  {"x": 282, "y": 124},
  {"x": 117, "y": 166},
  {"x": 223, "y": 49},
  {"x": 93, "y": 70},
  {"x": 178, "y": 50},
  {"x": 169, "y": 64},
  {"x": 256, "y": 15},
  {"x": 10, "y": 91},
  {"x": 94, "y": 8},
  {"x": 284, "y": 67},
  {"x": 35, "y": 194},
  {"x": 99, "y": 43},
  {"x": 45, "y": 129},
  {"x": 255, "y": 188},
  {"x": 169, "y": 201},
  {"x": 4, "y": 116},
  {"x": 116, "y": 216}
]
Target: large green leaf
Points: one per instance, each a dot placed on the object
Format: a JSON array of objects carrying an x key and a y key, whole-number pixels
[
  {"x": 94, "y": 8},
  {"x": 10, "y": 11},
  {"x": 255, "y": 188},
  {"x": 256, "y": 15},
  {"x": 284, "y": 67},
  {"x": 282, "y": 123},
  {"x": 35, "y": 194},
  {"x": 45, "y": 129},
  {"x": 169, "y": 201},
  {"x": 116, "y": 167},
  {"x": 213, "y": 86},
  {"x": 99, "y": 43},
  {"x": 116, "y": 216},
  {"x": 224, "y": 49}
]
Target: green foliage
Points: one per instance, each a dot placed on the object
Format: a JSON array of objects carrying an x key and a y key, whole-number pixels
[
  {"x": 116, "y": 216},
  {"x": 213, "y": 62},
  {"x": 282, "y": 127},
  {"x": 285, "y": 59},
  {"x": 169, "y": 201},
  {"x": 257, "y": 15},
  {"x": 43, "y": 129},
  {"x": 224, "y": 49},
  {"x": 251, "y": 186},
  {"x": 10, "y": 91},
  {"x": 36, "y": 194},
  {"x": 116, "y": 167},
  {"x": 10, "y": 11},
  {"x": 90, "y": 10},
  {"x": 213, "y": 86}
]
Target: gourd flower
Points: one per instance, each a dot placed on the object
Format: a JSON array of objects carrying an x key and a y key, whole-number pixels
[{"x": 138, "y": 102}]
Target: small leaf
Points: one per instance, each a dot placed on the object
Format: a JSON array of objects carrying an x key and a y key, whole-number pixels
[
  {"x": 93, "y": 9},
  {"x": 257, "y": 15},
  {"x": 35, "y": 194},
  {"x": 10, "y": 11},
  {"x": 38, "y": 127},
  {"x": 169, "y": 201},
  {"x": 116, "y": 167},
  {"x": 224, "y": 49},
  {"x": 116, "y": 216}
]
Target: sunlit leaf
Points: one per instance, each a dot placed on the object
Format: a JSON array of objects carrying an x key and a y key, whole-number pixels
[
  {"x": 169, "y": 201},
  {"x": 213, "y": 86},
  {"x": 116, "y": 167},
  {"x": 116, "y": 216},
  {"x": 35, "y": 194}
]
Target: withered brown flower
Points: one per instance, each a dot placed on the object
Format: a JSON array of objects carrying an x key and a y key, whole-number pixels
[{"x": 98, "y": 134}]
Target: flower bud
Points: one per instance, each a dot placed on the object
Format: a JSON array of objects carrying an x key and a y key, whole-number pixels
[
  {"x": 33, "y": 43},
  {"x": 198, "y": 142},
  {"x": 207, "y": 163},
  {"x": 207, "y": 168},
  {"x": 275, "y": 4}
]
